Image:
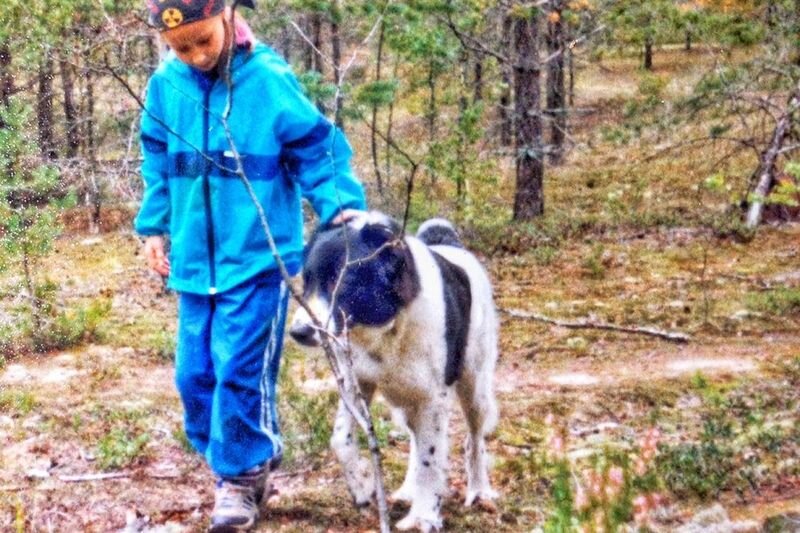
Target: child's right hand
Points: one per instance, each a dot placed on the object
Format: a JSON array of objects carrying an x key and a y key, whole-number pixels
[{"x": 154, "y": 253}]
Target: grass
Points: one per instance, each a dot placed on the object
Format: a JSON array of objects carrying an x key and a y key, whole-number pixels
[
  {"x": 17, "y": 402},
  {"x": 778, "y": 301},
  {"x": 119, "y": 448}
]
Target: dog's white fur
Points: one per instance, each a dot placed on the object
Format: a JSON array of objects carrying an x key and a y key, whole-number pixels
[{"x": 405, "y": 360}]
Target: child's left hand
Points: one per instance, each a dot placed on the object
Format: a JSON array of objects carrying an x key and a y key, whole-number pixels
[{"x": 346, "y": 215}]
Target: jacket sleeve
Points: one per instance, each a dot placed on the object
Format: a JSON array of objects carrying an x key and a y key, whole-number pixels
[
  {"x": 316, "y": 153},
  {"x": 153, "y": 217}
]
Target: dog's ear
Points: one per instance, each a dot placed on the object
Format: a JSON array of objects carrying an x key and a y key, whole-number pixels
[
  {"x": 406, "y": 284},
  {"x": 376, "y": 235}
]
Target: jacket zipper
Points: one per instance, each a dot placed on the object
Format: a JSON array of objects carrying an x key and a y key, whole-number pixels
[{"x": 207, "y": 195}]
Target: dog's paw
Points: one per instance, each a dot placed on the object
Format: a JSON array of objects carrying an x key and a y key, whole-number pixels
[
  {"x": 486, "y": 495},
  {"x": 403, "y": 494},
  {"x": 362, "y": 489},
  {"x": 423, "y": 524},
  {"x": 363, "y": 496}
]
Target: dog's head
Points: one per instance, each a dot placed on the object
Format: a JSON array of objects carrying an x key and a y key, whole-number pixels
[{"x": 357, "y": 274}]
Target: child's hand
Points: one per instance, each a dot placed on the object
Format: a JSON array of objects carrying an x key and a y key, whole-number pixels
[
  {"x": 346, "y": 215},
  {"x": 154, "y": 253}
]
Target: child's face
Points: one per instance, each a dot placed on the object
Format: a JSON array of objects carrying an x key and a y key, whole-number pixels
[{"x": 199, "y": 44}]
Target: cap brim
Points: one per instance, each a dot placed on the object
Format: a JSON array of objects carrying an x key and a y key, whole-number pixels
[{"x": 245, "y": 3}]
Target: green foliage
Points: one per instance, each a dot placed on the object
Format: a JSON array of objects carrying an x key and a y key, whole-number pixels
[
  {"x": 544, "y": 255},
  {"x": 700, "y": 469},
  {"x": 563, "y": 504},
  {"x": 120, "y": 448},
  {"x": 18, "y": 402},
  {"x": 602, "y": 495},
  {"x": 307, "y": 417},
  {"x": 457, "y": 158},
  {"x": 376, "y": 93},
  {"x": 30, "y": 198},
  {"x": 315, "y": 87},
  {"x": 162, "y": 344},
  {"x": 179, "y": 434},
  {"x": 71, "y": 327},
  {"x": 780, "y": 301},
  {"x": 593, "y": 263},
  {"x": 738, "y": 446}
]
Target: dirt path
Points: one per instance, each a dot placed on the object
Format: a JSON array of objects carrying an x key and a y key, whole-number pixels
[{"x": 172, "y": 487}]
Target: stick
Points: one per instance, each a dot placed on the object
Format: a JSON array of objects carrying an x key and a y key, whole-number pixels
[
  {"x": 351, "y": 396},
  {"x": 94, "y": 477},
  {"x": 671, "y": 336}
]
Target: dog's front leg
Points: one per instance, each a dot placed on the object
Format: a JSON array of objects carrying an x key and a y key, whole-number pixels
[
  {"x": 358, "y": 471},
  {"x": 429, "y": 426}
]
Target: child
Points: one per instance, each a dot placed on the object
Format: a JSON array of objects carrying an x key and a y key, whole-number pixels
[{"x": 232, "y": 300}]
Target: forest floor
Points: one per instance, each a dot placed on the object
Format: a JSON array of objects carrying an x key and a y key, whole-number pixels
[
  {"x": 112, "y": 407},
  {"x": 628, "y": 239}
]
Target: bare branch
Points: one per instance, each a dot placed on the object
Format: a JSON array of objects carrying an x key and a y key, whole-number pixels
[{"x": 587, "y": 324}]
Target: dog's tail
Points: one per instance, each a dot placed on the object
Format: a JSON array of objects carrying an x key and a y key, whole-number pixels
[{"x": 438, "y": 231}]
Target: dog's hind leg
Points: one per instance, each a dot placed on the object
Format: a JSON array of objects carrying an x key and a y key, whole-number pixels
[
  {"x": 407, "y": 490},
  {"x": 428, "y": 425},
  {"x": 475, "y": 393},
  {"x": 358, "y": 472}
]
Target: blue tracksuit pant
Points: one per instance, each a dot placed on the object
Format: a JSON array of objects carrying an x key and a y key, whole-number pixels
[{"x": 226, "y": 368}]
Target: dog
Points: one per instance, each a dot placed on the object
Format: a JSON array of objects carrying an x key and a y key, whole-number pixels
[{"x": 420, "y": 320}]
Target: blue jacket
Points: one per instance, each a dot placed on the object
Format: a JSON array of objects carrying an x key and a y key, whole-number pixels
[{"x": 288, "y": 151}]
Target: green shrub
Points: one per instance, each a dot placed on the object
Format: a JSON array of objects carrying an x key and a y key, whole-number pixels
[
  {"x": 701, "y": 469},
  {"x": 18, "y": 402},
  {"x": 120, "y": 448},
  {"x": 780, "y": 301}
]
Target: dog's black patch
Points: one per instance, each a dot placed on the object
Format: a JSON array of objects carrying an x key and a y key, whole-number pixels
[
  {"x": 458, "y": 303},
  {"x": 380, "y": 277}
]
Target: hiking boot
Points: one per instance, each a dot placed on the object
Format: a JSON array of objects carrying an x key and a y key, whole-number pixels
[{"x": 236, "y": 501}]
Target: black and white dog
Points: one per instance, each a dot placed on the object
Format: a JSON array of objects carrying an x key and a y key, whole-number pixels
[{"x": 419, "y": 316}]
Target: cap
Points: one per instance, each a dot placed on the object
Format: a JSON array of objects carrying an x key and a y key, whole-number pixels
[{"x": 168, "y": 14}]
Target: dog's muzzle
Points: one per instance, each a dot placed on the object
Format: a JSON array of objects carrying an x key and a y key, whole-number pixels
[
  {"x": 303, "y": 330},
  {"x": 305, "y": 334}
]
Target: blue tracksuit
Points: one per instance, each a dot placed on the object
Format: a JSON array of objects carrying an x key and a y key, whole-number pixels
[{"x": 232, "y": 301}]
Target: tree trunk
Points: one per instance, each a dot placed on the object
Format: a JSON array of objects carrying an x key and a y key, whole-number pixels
[
  {"x": 556, "y": 108},
  {"x": 44, "y": 107},
  {"x": 528, "y": 197},
  {"x": 477, "y": 95},
  {"x": 93, "y": 190},
  {"x": 648, "y": 53},
  {"x": 6, "y": 79},
  {"x": 571, "y": 67},
  {"x": 766, "y": 167},
  {"x": 687, "y": 43},
  {"x": 769, "y": 14},
  {"x": 285, "y": 44},
  {"x": 432, "y": 113},
  {"x": 506, "y": 118},
  {"x": 336, "y": 56},
  {"x": 797, "y": 32},
  {"x": 88, "y": 116},
  {"x": 316, "y": 39},
  {"x": 374, "y": 122},
  {"x": 70, "y": 113},
  {"x": 318, "y": 63},
  {"x": 431, "y": 103},
  {"x": 309, "y": 53},
  {"x": 389, "y": 126}
]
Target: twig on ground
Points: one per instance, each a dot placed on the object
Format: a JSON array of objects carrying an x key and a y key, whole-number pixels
[
  {"x": 94, "y": 477},
  {"x": 671, "y": 336}
]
